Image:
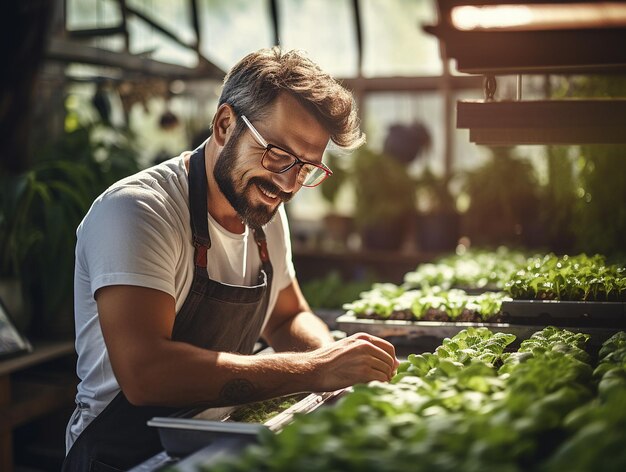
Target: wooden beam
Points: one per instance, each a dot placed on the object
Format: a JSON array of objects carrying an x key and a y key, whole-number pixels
[
  {"x": 358, "y": 25},
  {"x": 122, "y": 4},
  {"x": 411, "y": 84},
  {"x": 70, "y": 51},
  {"x": 275, "y": 19},
  {"x": 195, "y": 21},
  {"x": 95, "y": 32}
]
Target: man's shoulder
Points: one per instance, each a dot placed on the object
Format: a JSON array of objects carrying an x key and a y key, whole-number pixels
[
  {"x": 164, "y": 174},
  {"x": 151, "y": 194},
  {"x": 160, "y": 183}
]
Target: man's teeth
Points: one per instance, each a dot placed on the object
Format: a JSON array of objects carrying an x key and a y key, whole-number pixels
[{"x": 269, "y": 194}]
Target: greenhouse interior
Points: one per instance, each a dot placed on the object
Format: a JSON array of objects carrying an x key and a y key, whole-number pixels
[{"x": 452, "y": 296}]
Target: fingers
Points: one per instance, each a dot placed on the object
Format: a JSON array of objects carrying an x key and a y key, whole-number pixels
[
  {"x": 381, "y": 344},
  {"x": 383, "y": 368},
  {"x": 379, "y": 354},
  {"x": 359, "y": 358}
]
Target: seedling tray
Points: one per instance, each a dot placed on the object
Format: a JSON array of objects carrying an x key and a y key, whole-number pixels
[
  {"x": 190, "y": 430},
  {"x": 560, "y": 313},
  {"x": 417, "y": 332}
]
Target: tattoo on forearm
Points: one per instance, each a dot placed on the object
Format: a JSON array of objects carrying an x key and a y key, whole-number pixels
[{"x": 237, "y": 391}]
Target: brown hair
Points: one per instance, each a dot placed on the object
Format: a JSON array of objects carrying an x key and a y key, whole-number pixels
[{"x": 256, "y": 81}]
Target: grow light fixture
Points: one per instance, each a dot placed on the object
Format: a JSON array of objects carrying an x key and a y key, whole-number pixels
[
  {"x": 543, "y": 121},
  {"x": 529, "y": 17}
]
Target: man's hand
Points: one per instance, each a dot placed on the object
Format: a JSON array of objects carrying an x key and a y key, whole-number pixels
[{"x": 359, "y": 358}]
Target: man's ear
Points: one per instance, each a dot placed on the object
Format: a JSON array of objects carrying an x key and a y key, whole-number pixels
[{"x": 224, "y": 124}]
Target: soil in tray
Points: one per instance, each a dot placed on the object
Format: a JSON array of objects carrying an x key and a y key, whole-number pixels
[{"x": 260, "y": 412}]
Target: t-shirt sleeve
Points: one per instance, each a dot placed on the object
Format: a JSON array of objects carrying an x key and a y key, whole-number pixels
[{"x": 128, "y": 238}]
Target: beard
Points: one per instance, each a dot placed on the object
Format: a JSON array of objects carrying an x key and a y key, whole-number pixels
[{"x": 225, "y": 175}]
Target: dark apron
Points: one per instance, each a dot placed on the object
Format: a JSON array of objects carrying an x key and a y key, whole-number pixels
[{"x": 214, "y": 316}]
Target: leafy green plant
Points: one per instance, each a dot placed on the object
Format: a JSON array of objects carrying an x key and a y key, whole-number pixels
[
  {"x": 600, "y": 422},
  {"x": 330, "y": 189},
  {"x": 469, "y": 405},
  {"x": 504, "y": 195},
  {"x": 332, "y": 291},
  {"x": 599, "y": 220},
  {"x": 597, "y": 216},
  {"x": 386, "y": 301},
  {"x": 384, "y": 190},
  {"x": 40, "y": 210},
  {"x": 475, "y": 269},
  {"x": 434, "y": 193},
  {"x": 574, "y": 278}
]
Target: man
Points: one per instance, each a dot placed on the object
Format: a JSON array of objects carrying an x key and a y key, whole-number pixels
[{"x": 182, "y": 267}]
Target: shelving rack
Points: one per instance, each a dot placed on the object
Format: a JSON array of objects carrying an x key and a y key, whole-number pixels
[{"x": 536, "y": 37}]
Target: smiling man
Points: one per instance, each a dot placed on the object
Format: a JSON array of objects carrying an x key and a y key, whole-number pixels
[{"x": 182, "y": 267}]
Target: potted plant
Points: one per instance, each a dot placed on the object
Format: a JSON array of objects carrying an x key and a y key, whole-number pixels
[
  {"x": 40, "y": 210},
  {"x": 438, "y": 222},
  {"x": 385, "y": 199},
  {"x": 339, "y": 226},
  {"x": 503, "y": 202},
  {"x": 15, "y": 242},
  {"x": 37, "y": 208}
]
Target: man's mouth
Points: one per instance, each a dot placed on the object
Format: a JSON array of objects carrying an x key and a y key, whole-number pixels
[
  {"x": 270, "y": 192},
  {"x": 267, "y": 193}
]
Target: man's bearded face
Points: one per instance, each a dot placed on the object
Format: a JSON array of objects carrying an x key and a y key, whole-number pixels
[{"x": 230, "y": 173}]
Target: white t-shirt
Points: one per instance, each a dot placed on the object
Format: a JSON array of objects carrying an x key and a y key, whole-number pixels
[{"x": 138, "y": 233}]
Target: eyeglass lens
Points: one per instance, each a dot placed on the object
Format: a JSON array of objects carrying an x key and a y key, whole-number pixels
[{"x": 277, "y": 160}]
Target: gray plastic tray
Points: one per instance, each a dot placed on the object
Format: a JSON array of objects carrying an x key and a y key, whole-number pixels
[{"x": 183, "y": 435}]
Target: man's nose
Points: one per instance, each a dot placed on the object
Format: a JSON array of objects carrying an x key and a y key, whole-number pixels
[{"x": 288, "y": 181}]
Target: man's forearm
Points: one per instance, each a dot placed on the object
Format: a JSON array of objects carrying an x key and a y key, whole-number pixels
[
  {"x": 303, "y": 332},
  {"x": 178, "y": 374},
  {"x": 182, "y": 375}
]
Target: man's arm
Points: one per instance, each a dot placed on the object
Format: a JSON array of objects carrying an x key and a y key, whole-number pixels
[
  {"x": 152, "y": 369},
  {"x": 292, "y": 326}
]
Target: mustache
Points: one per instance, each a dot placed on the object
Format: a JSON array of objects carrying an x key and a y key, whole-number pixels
[{"x": 271, "y": 188}]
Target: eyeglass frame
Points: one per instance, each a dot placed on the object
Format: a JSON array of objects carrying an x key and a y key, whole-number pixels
[{"x": 296, "y": 160}]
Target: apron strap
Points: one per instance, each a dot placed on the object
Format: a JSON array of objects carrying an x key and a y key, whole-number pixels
[{"x": 198, "y": 207}]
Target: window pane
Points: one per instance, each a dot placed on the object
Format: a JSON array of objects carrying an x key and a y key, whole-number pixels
[
  {"x": 87, "y": 14},
  {"x": 325, "y": 29},
  {"x": 146, "y": 40},
  {"x": 230, "y": 30},
  {"x": 394, "y": 43},
  {"x": 382, "y": 110},
  {"x": 174, "y": 15}
]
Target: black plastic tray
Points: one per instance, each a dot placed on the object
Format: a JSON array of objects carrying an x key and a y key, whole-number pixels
[
  {"x": 570, "y": 313},
  {"x": 415, "y": 332}
]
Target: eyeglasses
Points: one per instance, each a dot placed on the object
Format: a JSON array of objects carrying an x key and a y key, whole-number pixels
[{"x": 278, "y": 160}]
